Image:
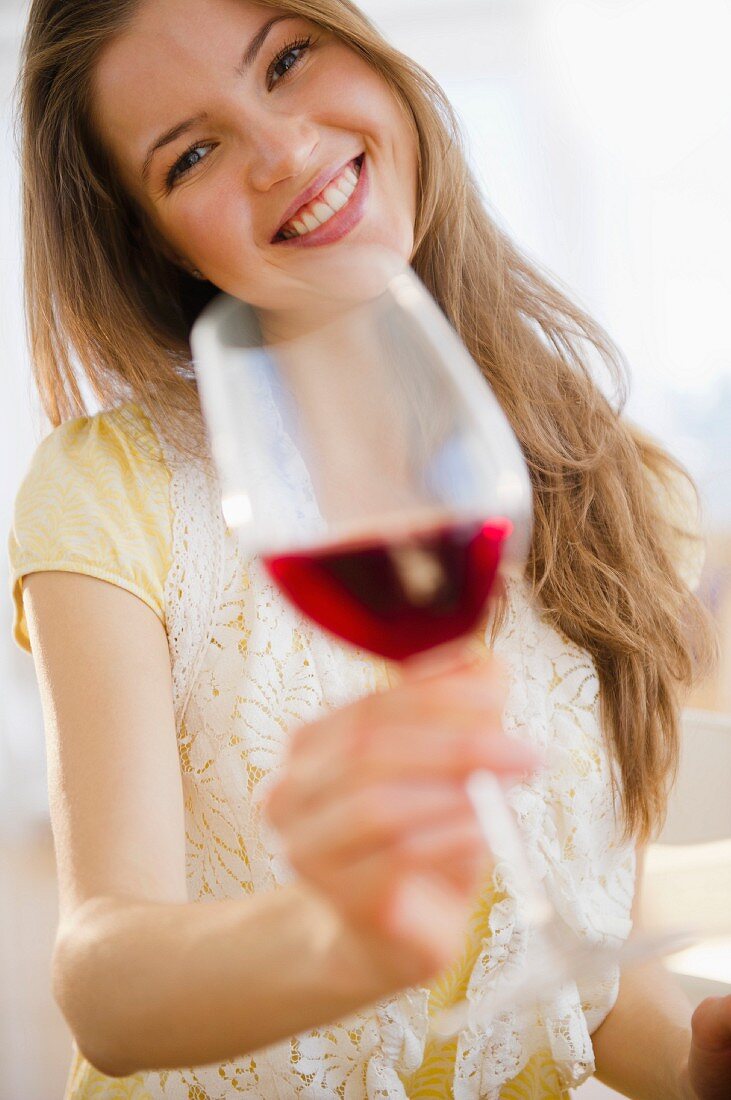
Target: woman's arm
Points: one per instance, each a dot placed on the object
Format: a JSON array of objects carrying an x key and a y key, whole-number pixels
[
  {"x": 146, "y": 979},
  {"x": 652, "y": 1046},
  {"x": 152, "y": 985},
  {"x": 143, "y": 977},
  {"x": 642, "y": 1046},
  {"x": 641, "y": 1049}
]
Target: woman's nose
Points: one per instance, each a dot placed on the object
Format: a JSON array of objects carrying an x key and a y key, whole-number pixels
[{"x": 282, "y": 149}]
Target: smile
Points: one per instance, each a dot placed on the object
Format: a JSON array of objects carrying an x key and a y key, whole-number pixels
[{"x": 330, "y": 214}]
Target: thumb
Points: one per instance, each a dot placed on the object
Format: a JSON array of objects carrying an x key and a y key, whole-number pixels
[
  {"x": 430, "y": 916},
  {"x": 462, "y": 653},
  {"x": 711, "y": 1023}
]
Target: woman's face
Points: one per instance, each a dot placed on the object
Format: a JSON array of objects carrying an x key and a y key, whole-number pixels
[{"x": 222, "y": 116}]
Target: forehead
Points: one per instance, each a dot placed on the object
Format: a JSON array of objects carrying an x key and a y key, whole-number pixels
[{"x": 165, "y": 65}]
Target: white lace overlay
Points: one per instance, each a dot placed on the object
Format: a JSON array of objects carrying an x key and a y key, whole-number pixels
[
  {"x": 567, "y": 820},
  {"x": 247, "y": 669}
]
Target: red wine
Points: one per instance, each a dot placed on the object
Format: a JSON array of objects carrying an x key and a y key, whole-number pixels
[{"x": 400, "y": 596}]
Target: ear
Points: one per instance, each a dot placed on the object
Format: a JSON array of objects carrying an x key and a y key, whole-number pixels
[{"x": 179, "y": 261}]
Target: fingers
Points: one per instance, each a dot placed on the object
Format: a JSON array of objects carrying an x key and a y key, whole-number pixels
[
  {"x": 395, "y": 754},
  {"x": 447, "y": 731},
  {"x": 369, "y": 818},
  {"x": 367, "y": 892},
  {"x": 372, "y": 798},
  {"x": 436, "y": 840},
  {"x": 456, "y": 848},
  {"x": 448, "y": 842},
  {"x": 472, "y": 696},
  {"x": 430, "y": 917},
  {"x": 460, "y": 655}
]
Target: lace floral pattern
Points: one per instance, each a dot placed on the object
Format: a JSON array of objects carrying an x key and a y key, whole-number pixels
[
  {"x": 567, "y": 820},
  {"x": 192, "y": 586},
  {"x": 247, "y": 669}
]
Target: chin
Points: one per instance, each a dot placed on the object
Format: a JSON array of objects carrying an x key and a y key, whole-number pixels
[{"x": 354, "y": 269}]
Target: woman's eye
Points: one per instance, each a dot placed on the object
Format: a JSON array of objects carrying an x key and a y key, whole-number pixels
[
  {"x": 285, "y": 60},
  {"x": 283, "y": 63},
  {"x": 188, "y": 160}
]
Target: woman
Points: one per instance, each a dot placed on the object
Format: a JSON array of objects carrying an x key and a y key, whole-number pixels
[{"x": 166, "y": 145}]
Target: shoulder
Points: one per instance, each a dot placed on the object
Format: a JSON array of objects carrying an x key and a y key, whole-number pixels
[
  {"x": 121, "y": 437},
  {"x": 95, "y": 499},
  {"x": 117, "y": 445},
  {"x": 92, "y": 477}
]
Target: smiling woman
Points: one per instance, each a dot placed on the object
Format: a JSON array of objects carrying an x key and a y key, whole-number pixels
[
  {"x": 231, "y": 148},
  {"x": 173, "y": 149}
]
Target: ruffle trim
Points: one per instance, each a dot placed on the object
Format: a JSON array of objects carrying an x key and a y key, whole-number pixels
[
  {"x": 567, "y": 820},
  {"x": 563, "y": 816}
]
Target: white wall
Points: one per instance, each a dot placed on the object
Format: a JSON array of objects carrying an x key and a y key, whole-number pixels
[{"x": 600, "y": 131}]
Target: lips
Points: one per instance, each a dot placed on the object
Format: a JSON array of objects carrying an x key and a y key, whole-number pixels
[{"x": 318, "y": 185}]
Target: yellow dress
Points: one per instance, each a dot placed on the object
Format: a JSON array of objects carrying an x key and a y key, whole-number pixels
[
  {"x": 96, "y": 500},
  {"x": 432, "y": 1080}
]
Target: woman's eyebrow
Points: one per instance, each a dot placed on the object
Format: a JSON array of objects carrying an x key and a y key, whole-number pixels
[
  {"x": 258, "y": 41},
  {"x": 165, "y": 139},
  {"x": 250, "y": 55}
]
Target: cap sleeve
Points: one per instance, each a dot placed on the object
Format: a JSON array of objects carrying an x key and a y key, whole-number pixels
[{"x": 95, "y": 500}]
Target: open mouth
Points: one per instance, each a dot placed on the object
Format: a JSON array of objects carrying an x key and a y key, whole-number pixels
[{"x": 333, "y": 198}]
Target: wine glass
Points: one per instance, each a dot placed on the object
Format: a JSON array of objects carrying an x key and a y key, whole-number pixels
[{"x": 362, "y": 454}]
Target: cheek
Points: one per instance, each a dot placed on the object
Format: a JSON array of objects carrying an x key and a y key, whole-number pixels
[
  {"x": 212, "y": 227},
  {"x": 383, "y": 116},
  {"x": 211, "y": 222},
  {"x": 361, "y": 102},
  {"x": 339, "y": 102},
  {"x": 351, "y": 96},
  {"x": 405, "y": 150}
]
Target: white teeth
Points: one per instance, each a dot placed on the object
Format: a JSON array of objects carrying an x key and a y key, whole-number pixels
[
  {"x": 322, "y": 211},
  {"x": 334, "y": 197},
  {"x": 346, "y": 186}
]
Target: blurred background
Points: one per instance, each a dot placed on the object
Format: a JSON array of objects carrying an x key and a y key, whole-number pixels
[{"x": 600, "y": 131}]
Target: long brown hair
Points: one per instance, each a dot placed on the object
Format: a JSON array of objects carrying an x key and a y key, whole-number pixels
[{"x": 104, "y": 305}]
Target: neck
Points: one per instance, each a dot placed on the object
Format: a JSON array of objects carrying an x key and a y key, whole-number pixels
[{"x": 279, "y": 325}]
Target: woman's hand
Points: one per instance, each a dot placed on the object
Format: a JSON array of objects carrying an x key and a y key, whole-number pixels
[
  {"x": 373, "y": 811},
  {"x": 709, "y": 1062}
]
